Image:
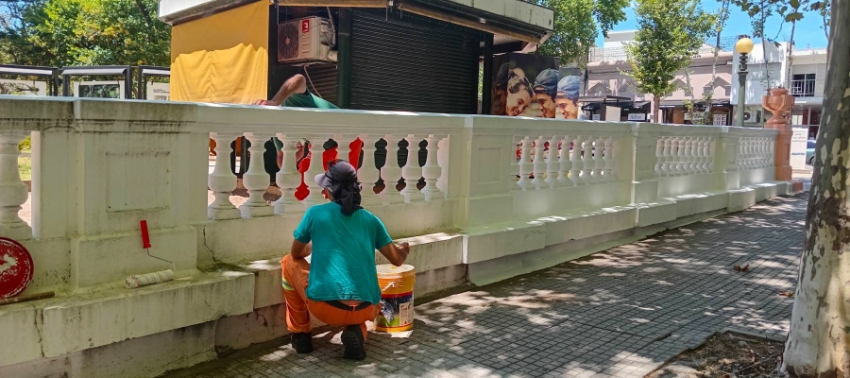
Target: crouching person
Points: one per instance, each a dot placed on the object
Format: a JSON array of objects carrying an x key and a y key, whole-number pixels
[{"x": 339, "y": 286}]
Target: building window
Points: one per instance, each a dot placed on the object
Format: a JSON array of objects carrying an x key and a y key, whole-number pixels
[{"x": 803, "y": 85}]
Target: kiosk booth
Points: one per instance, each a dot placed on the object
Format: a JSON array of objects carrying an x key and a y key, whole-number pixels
[{"x": 406, "y": 55}]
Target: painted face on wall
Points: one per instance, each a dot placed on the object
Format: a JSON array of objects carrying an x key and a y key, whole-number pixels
[
  {"x": 545, "y": 104},
  {"x": 567, "y": 108},
  {"x": 519, "y": 94}
]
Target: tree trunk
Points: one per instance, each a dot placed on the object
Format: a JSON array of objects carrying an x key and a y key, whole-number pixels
[
  {"x": 818, "y": 344},
  {"x": 790, "y": 58},
  {"x": 656, "y": 105}
]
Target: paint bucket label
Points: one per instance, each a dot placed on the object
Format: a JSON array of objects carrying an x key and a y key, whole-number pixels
[{"x": 396, "y": 311}]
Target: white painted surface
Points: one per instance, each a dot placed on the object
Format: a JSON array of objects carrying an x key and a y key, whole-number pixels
[{"x": 101, "y": 166}]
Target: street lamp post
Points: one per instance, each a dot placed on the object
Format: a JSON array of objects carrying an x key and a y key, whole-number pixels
[{"x": 744, "y": 46}]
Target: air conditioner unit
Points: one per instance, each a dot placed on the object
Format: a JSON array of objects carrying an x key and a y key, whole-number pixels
[
  {"x": 305, "y": 40},
  {"x": 752, "y": 116}
]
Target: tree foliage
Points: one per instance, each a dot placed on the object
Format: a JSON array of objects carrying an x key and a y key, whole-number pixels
[
  {"x": 671, "y": 32},
  {"x": 578, "y": 24},
  {"x": 84, "y": 32}
]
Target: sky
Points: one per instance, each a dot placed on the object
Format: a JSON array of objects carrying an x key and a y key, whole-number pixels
[{"x": 808, "y": 34}]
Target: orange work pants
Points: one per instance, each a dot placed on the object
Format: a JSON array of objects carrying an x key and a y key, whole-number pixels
[{"x": 299, "y": 307}]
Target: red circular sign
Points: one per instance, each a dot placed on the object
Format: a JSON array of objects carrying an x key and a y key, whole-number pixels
[{"x": 15, "y": 268}]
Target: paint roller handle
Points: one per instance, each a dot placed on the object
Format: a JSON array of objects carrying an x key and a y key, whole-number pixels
[{"x": 146, "y": 239}]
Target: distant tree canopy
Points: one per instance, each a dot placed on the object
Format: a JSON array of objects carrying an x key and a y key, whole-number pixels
[{"x": 83, "y": 32}]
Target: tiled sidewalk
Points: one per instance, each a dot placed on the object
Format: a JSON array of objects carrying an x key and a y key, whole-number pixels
[{"x": 618, "y": 313}]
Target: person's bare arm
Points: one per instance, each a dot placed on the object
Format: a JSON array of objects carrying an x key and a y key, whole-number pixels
[
  {"x": 396, "y": 254},
  {"x": 300, "y": 250},
  {"x": 295, "y": 84}
]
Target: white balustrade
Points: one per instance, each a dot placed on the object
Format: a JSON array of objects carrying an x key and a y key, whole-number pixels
[
  {"x": 598, "y": 160},
  {"x": 575, "y": 171},
  {"x": 412, "y": 172},
  {"x": 13, "y": 191},
  {"x": 552, "y": 162},
  {"x": 587, "y": 161},
  {"x": 564, "y": 162},
  {"x": 221, "y": 181},
  {"x": 256, "y": 180},
  {"x": 668, "y": 164},
  {"x": 539, "y": 164},
  {"x": 659, "y": 156},
  {"x": 368, "y": 173},
  {"x": 432, "y": 171},
  {"x": 316, "y": 168},
  {"x": 391, "y": 172},
  {"x": 525, "y": 166},
  {"x": 609, "y": 174},
  {"x": 288, "y": 178}
]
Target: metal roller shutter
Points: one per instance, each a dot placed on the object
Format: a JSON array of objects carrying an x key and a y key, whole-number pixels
[
  {"x": 412, "y": 63},
  {"x": 322, "y": 81}
]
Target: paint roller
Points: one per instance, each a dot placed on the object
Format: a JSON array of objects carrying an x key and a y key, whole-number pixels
[{"x": 139, "y": 280}]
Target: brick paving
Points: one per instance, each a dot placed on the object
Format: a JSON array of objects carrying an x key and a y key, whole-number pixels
[{"x": 617, "y": 313}]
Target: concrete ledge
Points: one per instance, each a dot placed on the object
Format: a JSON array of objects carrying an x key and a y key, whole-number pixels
[
  {"x": 560, "y": 229},
  {"x": 491, "y": 242},
  {"x": 427, "y": 253},
  {"x": 147, "y": 356},
  {"x": 655, "y": 213},
  {"x": 500, "y": 269},
  {"x": 63, "y": 325},
  {"x": 741, "y": 199},
  {"x": 241, "y": 331},
  {"x": 691, "y": 204}
]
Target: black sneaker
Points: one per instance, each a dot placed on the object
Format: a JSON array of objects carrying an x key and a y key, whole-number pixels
[
  {"x": 352, "y": 340},
  {"x": 302, "y": 342}
]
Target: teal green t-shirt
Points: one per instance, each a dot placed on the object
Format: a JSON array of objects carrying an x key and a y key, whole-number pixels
[
  {"x": 304, "y": 100},
  {"x": 342, "y": 267}
]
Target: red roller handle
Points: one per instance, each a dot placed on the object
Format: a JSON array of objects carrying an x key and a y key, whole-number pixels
[{"x": 146, "y": 239}]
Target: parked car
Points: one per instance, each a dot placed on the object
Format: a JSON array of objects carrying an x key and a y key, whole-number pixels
[{"x": 810, "y": 152}]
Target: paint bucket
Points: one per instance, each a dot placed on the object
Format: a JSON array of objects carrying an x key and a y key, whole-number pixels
[{"x": 396, "y": 284}]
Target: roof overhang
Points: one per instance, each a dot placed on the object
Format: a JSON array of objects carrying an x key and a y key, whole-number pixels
[{"x": 513, "y": 20}]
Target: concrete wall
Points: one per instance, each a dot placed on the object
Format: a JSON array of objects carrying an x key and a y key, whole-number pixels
[{"x": 497, "y": 203}]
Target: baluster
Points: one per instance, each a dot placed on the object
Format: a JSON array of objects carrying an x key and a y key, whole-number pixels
[
  {"x": 515, "y": 158},
  {"x": 771, "y": 150},
  {"x": 691, "y": 150},
  {"x": 564, "y": 162},
  {"x": 288, "y": 178},
  {"x": 609, "y": 160},
  {"x": 367, "y": 173},
  {"x": 539, "y": 164},
  {"x": 659, "y": 156},
  {"x": 443, "y": 161},
  {"x": 391, "y": 173},
  {"x": 710, "y": 152},
  {"x": 668, "y": 165},
  {"x": 680, "y": 156},
  {"x": 552, "y": 164},
  {"x": 316, "y": 168},
  {"x": 412, "y": 172},
  {"x": 698, "y": 153},
  {"x": 524, "y": 164},
  {"x": 13, "y": 191},
  {"x": 343, "y": 147},
  {"x": 256, "y": 180},
  {"x": 741, "y": 154},
  {"x": 598, "y": 159},
  {"x": 221, "y": 181},
  {"x": 432, "y": 171},
  {"x": 587, "y": 161},
  {"x": 575, "y": 161},
  {"x": 764, "y": 149}
]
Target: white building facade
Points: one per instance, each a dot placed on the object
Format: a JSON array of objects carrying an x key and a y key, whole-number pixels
[{"x": 806, "y": 82}]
